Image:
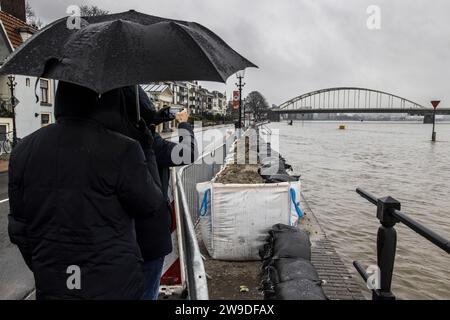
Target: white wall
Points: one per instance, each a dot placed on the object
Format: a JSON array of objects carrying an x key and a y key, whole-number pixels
[{"x": 28, "y": 112}]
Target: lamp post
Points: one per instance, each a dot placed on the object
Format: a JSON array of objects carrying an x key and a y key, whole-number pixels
[
  {"x": 435, "y": 104},
  {"x": 12, "y": 85},
  {"x": 240, "y": 75}
]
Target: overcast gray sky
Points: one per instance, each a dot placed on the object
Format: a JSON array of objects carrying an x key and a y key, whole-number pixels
[{"x": 304, "y": 45}]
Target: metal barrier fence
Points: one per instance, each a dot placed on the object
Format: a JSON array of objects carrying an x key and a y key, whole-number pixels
[
  {"x": 204, "y": 169},
  {"x": 389, "y": 214},
  {"x": 187, "y": 203}
]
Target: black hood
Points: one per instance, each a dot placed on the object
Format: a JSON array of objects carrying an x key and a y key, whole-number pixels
[
  {"x": 72, "y": 100},
  {"x": 147, "y": 109},
  {"x": 108, "y": 109}
]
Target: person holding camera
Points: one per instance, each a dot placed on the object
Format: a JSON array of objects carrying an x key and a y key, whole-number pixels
[{"x": 154, "y": 234}]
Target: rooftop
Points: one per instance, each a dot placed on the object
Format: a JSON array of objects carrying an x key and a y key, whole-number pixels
[
  {"x": 157, "y": 88},
  {"x": 12, "y": 26}
]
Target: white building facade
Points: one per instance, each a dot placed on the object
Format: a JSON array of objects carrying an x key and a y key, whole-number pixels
[{"x": 35, "y": 101}]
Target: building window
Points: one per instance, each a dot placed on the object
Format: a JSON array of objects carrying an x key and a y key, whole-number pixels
[
  {"x": 44, "y": 91},
  {"x": 45, "y": 119},
  {"x": 3, "y": 132},
  {"x": 28, "y": 82}
]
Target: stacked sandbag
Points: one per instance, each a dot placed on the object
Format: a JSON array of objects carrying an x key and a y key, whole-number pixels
[
  {"x": 287, "y": 270},
  {"x": 275, "y": 170}
]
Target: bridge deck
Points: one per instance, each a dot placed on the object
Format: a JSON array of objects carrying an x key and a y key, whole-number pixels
[{"x": 442, "y": 111}]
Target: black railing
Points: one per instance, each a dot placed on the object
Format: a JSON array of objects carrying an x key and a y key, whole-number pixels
[{"x": 389, "y": 214}]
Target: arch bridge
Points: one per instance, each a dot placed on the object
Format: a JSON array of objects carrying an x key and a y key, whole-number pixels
[{"x": 353, "y": 100}]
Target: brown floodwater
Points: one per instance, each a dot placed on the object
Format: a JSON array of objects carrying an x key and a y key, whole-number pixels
[{"x": 389, "y": 158}]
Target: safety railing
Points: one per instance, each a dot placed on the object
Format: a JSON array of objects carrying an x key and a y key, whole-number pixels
[
  {"x": 389, "y": 214},
  {"x": 204, "y": 169}
]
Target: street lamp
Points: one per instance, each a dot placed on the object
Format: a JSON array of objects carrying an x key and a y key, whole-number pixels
[
  {"x": 12, "y": 85},
  {"x": 240, "y": 75}
]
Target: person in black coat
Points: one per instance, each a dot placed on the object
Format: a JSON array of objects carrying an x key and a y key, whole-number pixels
[
  {"x": 75, "y": 188},
  {"x": 158, "y": 227}
]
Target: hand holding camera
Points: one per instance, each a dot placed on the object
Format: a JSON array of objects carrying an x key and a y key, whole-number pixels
[{"x": 182, "y": 116}]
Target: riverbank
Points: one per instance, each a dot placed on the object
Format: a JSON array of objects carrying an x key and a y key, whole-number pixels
[{"x": 226, "y": 277}]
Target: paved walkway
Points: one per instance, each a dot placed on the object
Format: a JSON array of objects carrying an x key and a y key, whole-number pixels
[{"x": 339, "y": 283}]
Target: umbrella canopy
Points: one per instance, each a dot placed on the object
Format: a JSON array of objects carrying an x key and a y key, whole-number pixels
[{"x": 123, "y": 49}]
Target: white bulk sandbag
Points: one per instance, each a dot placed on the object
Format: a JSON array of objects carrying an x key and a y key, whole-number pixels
[{"x": 236, "y": 217}]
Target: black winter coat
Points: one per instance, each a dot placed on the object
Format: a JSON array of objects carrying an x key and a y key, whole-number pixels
[
  {"x": 153, "y": 234},
  {"x": 74, "y": 189}
]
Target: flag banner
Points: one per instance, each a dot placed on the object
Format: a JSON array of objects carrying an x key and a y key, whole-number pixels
[{"x": 236, "y": 99}]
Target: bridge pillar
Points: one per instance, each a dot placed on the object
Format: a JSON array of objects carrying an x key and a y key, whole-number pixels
[
  {"x": 274, "y": 116},
  {"x": 428, "y": 118}
]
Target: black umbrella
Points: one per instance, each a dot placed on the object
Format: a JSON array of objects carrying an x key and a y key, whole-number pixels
[{"x": 123, "y": 49}]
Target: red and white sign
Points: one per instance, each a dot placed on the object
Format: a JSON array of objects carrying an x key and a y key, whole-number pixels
[
  {"x": 172, "y": 268},
  {"x": 435, "y": 103},
  {"x": 172, "y": 275},
  {"x": 235, "y": 99}
]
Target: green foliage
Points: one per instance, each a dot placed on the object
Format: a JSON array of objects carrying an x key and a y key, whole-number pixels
[
  {"x": 92, "y": 11},
  {"x": 257, "y": 104}
]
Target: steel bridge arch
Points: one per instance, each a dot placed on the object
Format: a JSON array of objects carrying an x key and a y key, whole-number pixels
[{"x": 368, "y": 103}]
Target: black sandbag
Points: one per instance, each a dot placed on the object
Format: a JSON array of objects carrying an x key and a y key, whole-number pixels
[
  {"x": 290, "y": 269},
  {"x": 283, "y": 270},
  {"x": 269, "y": 279},
  {"x": 277, "y": 178},
  {"x": 266, "y": 252},
  {"x": 279, "y": 227},
  {"x": 285, "y": 241},
  {"x": 298, "y": 289},
  {"x": 273, "y": 166},
  {"x": 291, "y": 245}
]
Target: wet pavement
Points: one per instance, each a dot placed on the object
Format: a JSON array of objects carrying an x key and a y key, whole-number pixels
[{"x": 16, "y": 280}]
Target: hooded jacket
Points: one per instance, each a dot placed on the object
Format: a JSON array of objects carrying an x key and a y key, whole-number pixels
[
  {"x": 154, "y": 233},
  {"x": 75, "y": 188}
]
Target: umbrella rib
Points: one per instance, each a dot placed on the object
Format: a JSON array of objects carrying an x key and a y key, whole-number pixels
[{"x": 179, "y": 27}]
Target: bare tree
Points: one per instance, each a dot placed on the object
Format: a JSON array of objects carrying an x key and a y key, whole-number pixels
[
  {"x": 32, "y": 19},
  {"x": 257, "y": 104},
  {"x": 91, "y": 11}
]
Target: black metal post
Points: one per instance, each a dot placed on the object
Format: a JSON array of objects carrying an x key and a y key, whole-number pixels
[
  {"x": 386, "y": 246},
  {"x": 12, "y": 84},
  {"x": 243, "y": 111},
  {"x": 240, "y": 85},
  {"x": 389, "y": 214},
  {"x": 435, "y": 104},
  {"x": 433, "y": 135}
]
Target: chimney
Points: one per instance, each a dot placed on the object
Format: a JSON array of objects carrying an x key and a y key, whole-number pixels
[{"x": 15, "y": 8}]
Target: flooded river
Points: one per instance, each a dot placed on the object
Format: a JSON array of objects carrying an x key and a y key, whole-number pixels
[{"x": 389, "y": 158}]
